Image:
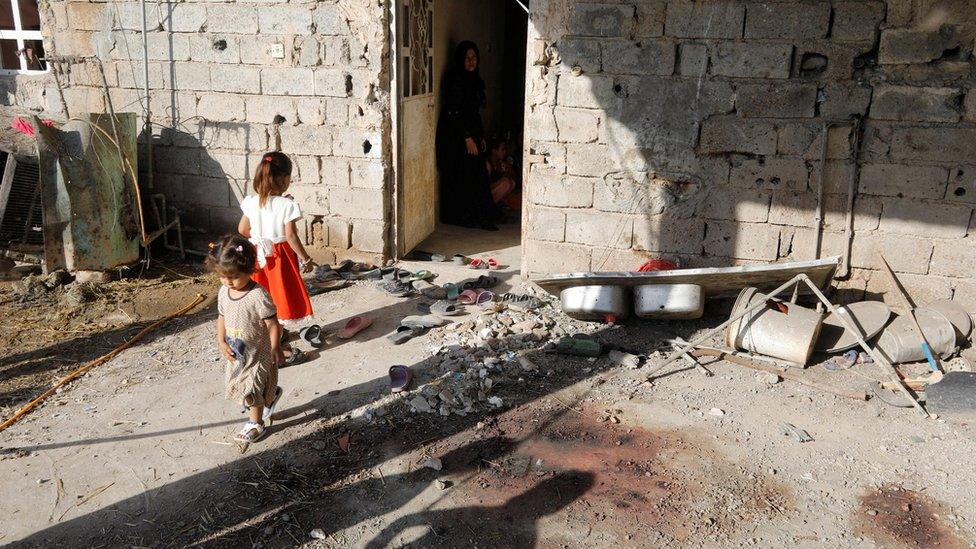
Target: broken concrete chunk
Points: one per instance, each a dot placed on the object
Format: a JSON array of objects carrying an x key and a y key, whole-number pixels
[
  {"x": 420, "y": 404},
  {"x": 433, "y": 463}
]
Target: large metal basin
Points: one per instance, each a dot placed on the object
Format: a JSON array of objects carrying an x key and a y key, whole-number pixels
[
  {"x": 678, "y": 301},
  {"x": 595, "y": 302}
]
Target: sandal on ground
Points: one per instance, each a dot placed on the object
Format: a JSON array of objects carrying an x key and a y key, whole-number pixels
[
  {"x": 423, "y": 274},
  {"x": 445, "y": 308},
  {"x": 404, "y": 334},
  {"x": 492, "y": 263},
  {"x": 424, "y": 321},
  {"x": 478, "y": 264},
  {"x": 269, "y": 410},
  {"x": 523, "y": 302},
  {"x": 427, "y": 289},
  {"x": 397, "y": 288},
  {"x": 316, "y": 287},
  {"x": 468, "y": 297},
  {"x": 252, "y": 432},
  {"x": 484, "y": 297},
  {"x": 355, "y": 325},
  {"x": 344, "y": 266},
  {"x": 400, "y": 377},
  {"x": 297, "y": 357},
  {"x": 452, "y": 290},
  {"x": 459, "y": 259},
  {"x": 312, "y": 334},
  {"x": 483, "y": 281}
]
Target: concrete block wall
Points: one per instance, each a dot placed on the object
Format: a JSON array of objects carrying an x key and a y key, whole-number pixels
[
  {"x": 229, "y": 81},
  {"x": 695, "y": 130}
]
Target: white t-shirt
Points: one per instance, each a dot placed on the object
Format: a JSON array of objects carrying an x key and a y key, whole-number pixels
[{"x": 268, "y": 222}]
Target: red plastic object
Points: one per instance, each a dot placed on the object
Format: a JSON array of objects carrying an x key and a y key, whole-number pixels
[
  {"x": 657, "y": 265},
  {"x": 25, "y": 127}
]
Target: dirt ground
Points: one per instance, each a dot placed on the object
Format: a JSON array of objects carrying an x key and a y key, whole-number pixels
[{"x": 582, "y": 453}]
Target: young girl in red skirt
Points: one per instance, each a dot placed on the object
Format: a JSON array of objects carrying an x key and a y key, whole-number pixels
[{"x": 269, "y": 223}]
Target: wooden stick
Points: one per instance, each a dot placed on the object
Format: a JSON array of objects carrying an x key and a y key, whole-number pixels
[
  {"x": 906, "y": 303},
  {"x": 785, "y": 374},
  {"x": 80, "y": 371}
]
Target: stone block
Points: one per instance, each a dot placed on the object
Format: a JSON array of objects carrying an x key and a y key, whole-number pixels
[
  {"x": 316, "y": 140},
  {"x": 776, "y": 100},
  {"x": 771, "y": 173},
  {"x": 599, "y": 229},
  {"x": 235, "y": 79},
  {"x": 735, "y": 204},
  {"x": 263, "y": 109},
  {"x": 650, "y": 57},
  {"x": 752, "y": 60},
  {"x": 900, "y": 180},
  {"x": 857, "y": 21},
  {"x": 128, "y": 16},
  {"x": 729, "y": 133},
  {"x": 806, "y": 140},
  {"x": 788, "y": 21},
  {"x": 542, "y": 123},
  {"x": 188, "y": 76},
  {"x": 367, "y": 174},
  {"x": 650, "y": 18},
  {"x": 332, "y": 83},
  {"x": 184, "y": 17},
  {"x": 355, "y": 143},
  {"x": 543, "y": 257},
  {"x": 693, "y": 59},
  {"x": 946, "y": 144},
  {"x": 206, "y": 191},
  {"x": 581, "y": 53},
  {"x": 89, "y": 17},
  {"x": 358, "y": 203},
  {"x": 232, "y": 18},
  {"x": 867, "y": 213},
  {"x": 704, "y": 19},
  {"x": 796, "y": 209},
  {"x": 842, "y": 101},
  {"x": 667, "y": 234},
  {"x": 921, "y": 288},
  {"x": 224, "y": 165},
  {"x": 340, "y": 233},
  {"x": 308, "y": 51},
  {"x": 962, "y": 185},
  {"x": 953, "y": 258},
  {"x": 741, "y": 240},
  {"x": 545, "y": 224},
  {"x": 74, "y": 43},
  {"x": 232, "y": 135},
  {"x": 616, "y": 260},
  {"x": 177, "y": 160},
  {"x": 577, "y": 126},
  {"x": 645, "y": 197},
  {"x": 585, "y": 91},
  {"x": 921, "y": 45},
  {"x": 591, "y": 160},
  {"x": 916, "y": 104},
  {"x": 195, "y": 218},
  {"x": 307, "y": 170},
  {"x": 313, "y": 199},
  {"x": 561, "y": 191},
  {"x": 287, "y": 81},
  {"x": 969, "y": 104},
  {"x": 605, "y": 20},
  {"x": 215, "y": 48},
  {"x": 329, "y": 20},
  {"x": 927, "y": 219},
  {"x": 369, "y": 236},
  {"x": 549, "y": 158},
  {"x": 221, "y": 107},
  {"x": 286, "y": 20},
  {"x": 256, "y": 50},
  {"x": 964, "y": 293}
]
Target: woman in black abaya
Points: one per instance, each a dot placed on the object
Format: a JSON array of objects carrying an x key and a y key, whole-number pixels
[{"x": 464, "y": 182}]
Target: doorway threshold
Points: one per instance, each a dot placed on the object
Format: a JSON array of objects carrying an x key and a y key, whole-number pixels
[{"x": 503, "y": 244}]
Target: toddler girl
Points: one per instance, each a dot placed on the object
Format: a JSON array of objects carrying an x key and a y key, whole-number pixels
[
  {"x": 269, "y": 222},
  {"x": 248, "y": 334}
]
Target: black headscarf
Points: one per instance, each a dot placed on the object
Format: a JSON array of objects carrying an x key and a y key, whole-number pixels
[{"x": 473, "y": 85}]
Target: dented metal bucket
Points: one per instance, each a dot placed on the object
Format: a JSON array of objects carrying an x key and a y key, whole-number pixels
[
  {"x": 595, "y": 302},
  {"x": 899, "y": 342},
  {"x": 678, "y": 301},
  {"x": 769, "y": 331}
]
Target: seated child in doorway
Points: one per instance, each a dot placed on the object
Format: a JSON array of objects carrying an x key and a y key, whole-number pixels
[
  {"x": 501, "y": 170},
  {"x": 248, "y": 334}
]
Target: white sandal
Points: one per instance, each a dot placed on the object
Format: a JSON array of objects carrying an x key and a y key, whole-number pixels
[
  {"x": 246, "y": 433},
  {"x": 269, "y": 410}
]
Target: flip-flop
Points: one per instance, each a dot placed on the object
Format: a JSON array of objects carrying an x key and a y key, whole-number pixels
[
  {"x": 445, "y": 308},
  {"x": 418, "y": 255},
  {"x": 319, "y": 287},
  {"x": 345, "y": 265},
  {"x": 312, "y": 334},
  {"x": 484, "y": 297},
  {"x": 492, "y": 263},
  {"x": 297, "y": 357},
  {"x": 452, "y": 290},
  {"x": 425, "y": 321},
  {"x": 400, "y": 378},
  {"x": 404, "y": 334},
  {"x": 524, "y": 302},
  {"x": 398, "y": 288},
  {"x": 427, "y": 289},
  {"x": 486, "y": 281},
  {"x": 355, "y": 325},
  {"x": 468, "y": 297},
  {"x": 269, "y": 410},
  {"x": 478, "y": 264},
  {"x": 459, "y": 259}
]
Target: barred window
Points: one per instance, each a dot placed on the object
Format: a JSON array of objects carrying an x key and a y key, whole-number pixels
[{"x": 21, "y": 44}]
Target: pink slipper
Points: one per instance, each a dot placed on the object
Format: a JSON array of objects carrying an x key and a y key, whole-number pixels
[
  {"x": 492, "y": 263},
  {"x": 468, "y": 297},
  {"x": 478, "y": 264},
  {"x": 355, "y": 325}
]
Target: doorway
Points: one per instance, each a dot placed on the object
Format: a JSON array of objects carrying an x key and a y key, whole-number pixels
[{"x": 428, "y": 32}]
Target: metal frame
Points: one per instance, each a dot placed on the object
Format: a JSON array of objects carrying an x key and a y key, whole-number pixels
[{"x": 20, "y": 36}]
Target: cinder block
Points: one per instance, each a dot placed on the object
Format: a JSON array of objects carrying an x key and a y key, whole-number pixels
[
  {"x": 221, "y": 107},
  {"x": 287, "y": 81},
  {"x": 369, "y": 236},
  {"x": 313, "y": 199},
  {"x": 899, "y": 180},
  {"x": 920, "y": 45},
  {"x": 970, "y": 106},
  {"x": 704, "y": 19},
  {"x": 74, "y": 43},
  {"x": 616, "y": 260},
  {"x": 358, "y": 203},
  {"x": 306, "y": 170},
  {"x": 178, "y": 160},
  {"x": 585, "y": 91},
  {"x": 694, "y": 60},
  {"x": 606, "y": 20},
  {"x": 263, "y": 109},
  {"x": 741, "y": 240},
  {"x": 224, "y": 165},
  {"x": 735, "y": 204},
  {"x": 286, "y": 20},
  {"x": 867, "y": 212},
  {"x": 236, "y": 79},
  {"x": 256, "y": 50},
  {"x": 542, "y": 123},
  {"x": 777, "y": 100},
  {"x": 543, "y": 257},
  {"x": 591, "y": 160},
  {"x": 231, "y": 18},
  {"x": 928, "y": 219},
  {"x": 206, "y": 191},
  {"x": 916, "y": 104},
  {"x": 545, "y": 224},
  {"x": 962, "y": 185},
  {"x": 843, "y": 100},
  {"x": 128, "y": 16},
  {"x": 552, "y": 155},
  {"x": 329, "y": 20},
  {"x": 905, "y": 254},
  {"x": 577, "y": 126},
  {"x": 183, "y": 17},
  {"x": 367, "y": 174},
  {"x": 215, "y": 48},
  {"x": 953, "y": 258},
  {"x": 806, "y": 140},
  {"x": 858, "y": 21},
  {"x": 332, "y": 83},
  {"x": 668, "y": 234},
  {"x": 788, "y": 21},
  {"x": 921, "y": 288},
  {"x": 89, "y": 17},
  {"x": 727, "y": 133},
  {"x": 646, "y": 197},
  {"x": 599, "y": 229},
  {"x": 650, "y": 18},
  {"x": 771, "y": 173},
  {"x": 650, "y": 57},
  {"x": 354, "y": 143},
  {"x": 303, "y": 139},
  {"x": 308, "y": 51},
  {"x": 752, "y": 60},
  {"x": 797, "y": 209},
  {"x": 964, "y": 293},
  {"x": 340, "y": 233},
  {"x": 946, "y": 144},
  {"x": 233, "y": 136},
  {"x": 584, "y": 53},
  {"x": 560, "y": 191}
]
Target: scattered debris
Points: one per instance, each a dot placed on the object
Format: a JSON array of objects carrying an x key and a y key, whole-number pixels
[
  {"x": 317, "y": 533},
  {"x": 768, "y": 378},
  {"x": 792, "y": 430},
  {"x": 433, "y": 463},
  {"x": 717, "y": 412}
]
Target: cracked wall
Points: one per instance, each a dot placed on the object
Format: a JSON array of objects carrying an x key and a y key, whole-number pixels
[
  {"x": 696, "y": 130},
  {"x": 229, "y": 81}
]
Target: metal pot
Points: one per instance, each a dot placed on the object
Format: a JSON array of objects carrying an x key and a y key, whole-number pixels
[
  {"x": 899, "y": 342},
  {"x": 679, "y": 301},
  {"x": 595, "y": 302},
  {"x": 767, "y": 331}
]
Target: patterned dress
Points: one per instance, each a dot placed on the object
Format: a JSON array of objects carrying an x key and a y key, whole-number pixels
[{"x": 253, "y": 373}]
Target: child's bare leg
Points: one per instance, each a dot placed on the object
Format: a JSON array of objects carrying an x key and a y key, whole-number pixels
[{"x": 254, "y": 412}]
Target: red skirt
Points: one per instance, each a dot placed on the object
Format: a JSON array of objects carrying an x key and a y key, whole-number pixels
[{"x": 282, "y": 278}]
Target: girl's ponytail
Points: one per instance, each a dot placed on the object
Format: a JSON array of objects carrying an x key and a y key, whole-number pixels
[{"x": 272, "y": 176}]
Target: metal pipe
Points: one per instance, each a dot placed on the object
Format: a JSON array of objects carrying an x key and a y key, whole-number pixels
[
  {"x": 145, "y": 75},
  {"x": 820, "y": 191},
  {"x": 396, "y": 126},
  {"x": 845, "y": 266}
]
